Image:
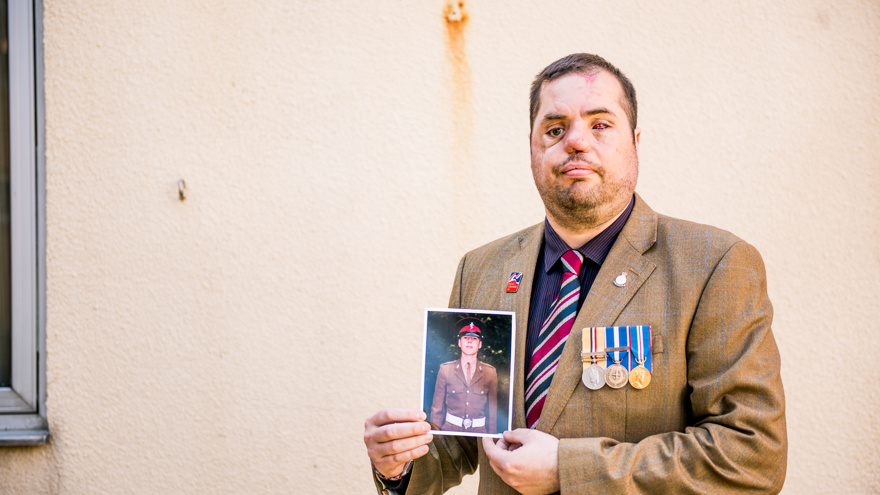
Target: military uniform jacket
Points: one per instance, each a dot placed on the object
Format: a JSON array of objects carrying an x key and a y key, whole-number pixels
[
  {"x": 711, "y": 421},
  {"x": 453, "y": 395}
]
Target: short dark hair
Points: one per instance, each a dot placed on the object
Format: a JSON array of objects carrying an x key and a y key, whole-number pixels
[{"x": 584, "y": 63}]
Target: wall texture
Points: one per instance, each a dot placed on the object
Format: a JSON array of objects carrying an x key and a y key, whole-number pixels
[{"x": 339, "y": 158}]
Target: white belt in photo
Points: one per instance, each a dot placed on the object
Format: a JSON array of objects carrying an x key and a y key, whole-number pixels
[{"x": 465, "y": 422}]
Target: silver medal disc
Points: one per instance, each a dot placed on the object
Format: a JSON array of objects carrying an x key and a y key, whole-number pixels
[
  {"x": 594, "y": 377},
  {"x": 616, "y": 376}
]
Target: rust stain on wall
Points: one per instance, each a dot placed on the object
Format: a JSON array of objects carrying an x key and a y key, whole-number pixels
[{"x": 456, "y": 17}]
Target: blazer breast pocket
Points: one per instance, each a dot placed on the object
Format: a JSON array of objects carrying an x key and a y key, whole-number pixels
[{"x": 657, "y": 345}]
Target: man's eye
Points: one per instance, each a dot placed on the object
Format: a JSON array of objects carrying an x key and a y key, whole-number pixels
[
  {"x": 601, "y": 126},
  {"x": 555, "y": 132}
]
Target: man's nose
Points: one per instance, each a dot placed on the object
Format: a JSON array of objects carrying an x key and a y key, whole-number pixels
[{"x": 578, "y": 139}]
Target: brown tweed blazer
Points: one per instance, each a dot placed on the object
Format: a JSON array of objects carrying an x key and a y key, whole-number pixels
[{"x": 712, "y": 419}]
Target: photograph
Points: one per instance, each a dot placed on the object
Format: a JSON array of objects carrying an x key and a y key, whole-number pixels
[{"x": 466, "y": 381}]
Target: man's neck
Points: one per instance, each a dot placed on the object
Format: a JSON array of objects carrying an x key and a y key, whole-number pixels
[
  {"x": 468, "y": 359},
  {"x": 577, "y": 238}
]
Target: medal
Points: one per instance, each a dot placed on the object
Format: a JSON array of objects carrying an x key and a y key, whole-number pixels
[
  {"x": 640, "y": 376},
  {"x": 593, "y": 339},
  {"x": 594, "y": 377},
  {"x": 616, "y": 375}
]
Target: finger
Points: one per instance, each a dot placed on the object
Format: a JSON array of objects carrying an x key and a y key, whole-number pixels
[
  {"x": 388, "y": 460},
  {"x": 518, "y": 436},
  {"x": 503, "y": 445},
  {"x": 492, "y": 451},
  {"x": 393, "y": 465},
  {"x": 398, "y": 446},
  {"x": 490, "y": 447},
  {"x": 496, "y": 456},
  {"x": 403, "y": 456},
  {"x": 496, "y": 452},
  {"x": 396, "y": 431},
  {"x": 389, "y": 416}
]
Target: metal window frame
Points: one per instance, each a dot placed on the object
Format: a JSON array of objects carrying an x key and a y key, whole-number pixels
[{"x": 22, "y": 406}]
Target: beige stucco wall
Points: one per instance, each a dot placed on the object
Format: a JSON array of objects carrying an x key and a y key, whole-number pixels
[{"x": 341, "y": 156}]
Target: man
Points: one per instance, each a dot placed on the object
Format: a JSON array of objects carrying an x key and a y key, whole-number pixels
[
  {"x": 466, "y": 392},
  {"x": 712, "y": 418}
]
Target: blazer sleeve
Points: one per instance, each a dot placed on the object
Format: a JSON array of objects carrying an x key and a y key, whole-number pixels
[
  {"x": 737, "y": 439},
  {"x": 449, "y": 458}
]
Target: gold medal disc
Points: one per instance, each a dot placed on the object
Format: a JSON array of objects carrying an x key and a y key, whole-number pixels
[{"x": 639, "y": 377}]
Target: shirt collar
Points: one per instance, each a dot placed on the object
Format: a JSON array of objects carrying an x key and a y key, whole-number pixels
[{"x": 596, "y": 249}]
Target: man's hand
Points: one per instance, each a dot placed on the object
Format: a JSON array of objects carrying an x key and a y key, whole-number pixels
[
  {"x": 395, "y": 437},
  {"x": 526, "y": 460}
]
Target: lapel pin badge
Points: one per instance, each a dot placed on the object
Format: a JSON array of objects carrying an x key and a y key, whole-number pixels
[
  {"x": 513, "y": 282},
  {"x": 620, "y": 281}
]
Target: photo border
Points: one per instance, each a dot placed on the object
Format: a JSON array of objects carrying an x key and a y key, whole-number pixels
[{"x": 476, "y": 313}]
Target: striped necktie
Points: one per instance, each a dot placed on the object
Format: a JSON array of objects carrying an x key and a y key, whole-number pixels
[{"x": 552, "y": 337}]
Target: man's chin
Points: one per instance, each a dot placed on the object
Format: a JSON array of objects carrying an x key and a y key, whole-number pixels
[
  {"x": 583, "y": 198},
  {"x": 579, "y": 201},
  {"x": 582, "y": 211}
]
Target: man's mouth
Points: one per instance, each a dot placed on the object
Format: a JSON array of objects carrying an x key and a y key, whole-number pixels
[{"x": 577, "y": 169}]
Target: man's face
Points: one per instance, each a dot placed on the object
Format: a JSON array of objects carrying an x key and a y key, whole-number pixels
[
  {"x": 584, "y": 154},
  {"x": 469, "y": 345}
]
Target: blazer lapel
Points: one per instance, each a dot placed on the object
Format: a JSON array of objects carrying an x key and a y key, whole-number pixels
[
  {"x": 524, "y": 261},
  {"x": 604, "y": 304}
]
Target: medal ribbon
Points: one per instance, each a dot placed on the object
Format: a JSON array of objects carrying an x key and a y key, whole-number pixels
[
  {"x": 640, "y": 336},
  {"x": 618, "y": 337},
  {"x": 596, "y": 345}
]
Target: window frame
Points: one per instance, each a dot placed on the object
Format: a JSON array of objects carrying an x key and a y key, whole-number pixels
[{"x": 22, "y": 405}]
